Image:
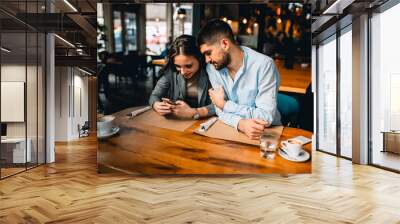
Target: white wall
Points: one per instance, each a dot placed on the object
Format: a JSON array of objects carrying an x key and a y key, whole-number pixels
[
  {"x": 327, "y": 96},
  {"x": 33, "y": 126},
  {"x": 12, "y": 73},
  {"x": 16, "y": 72},
  {"x": 71, "y": 102},
  {"x": 61, "y": 103}
]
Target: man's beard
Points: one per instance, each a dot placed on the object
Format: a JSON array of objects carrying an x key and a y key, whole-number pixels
[{"x": 226, "y": 60}]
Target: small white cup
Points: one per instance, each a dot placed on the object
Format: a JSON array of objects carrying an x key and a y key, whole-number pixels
[
  {"x": 105, "y": 124},
  {"x": 292, "y": 147}
]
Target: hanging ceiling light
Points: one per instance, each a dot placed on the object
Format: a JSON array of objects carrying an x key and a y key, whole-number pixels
[
  {"x": 248, "y": 30},
  {"x": 244, "y": 20},
  {"x": 70, "y": 5},
  {"x": 5, "y": 50},
  {"x": 338, "y": 6},
  {"x": 79, "y": 51},
  {"x": 64, "y": 40},
  {"x": 290, "y": 6},
  {"x": 181, "y": 13},
  {"x": 84, "y": 71},
  {"x": 278, "y": 11}
]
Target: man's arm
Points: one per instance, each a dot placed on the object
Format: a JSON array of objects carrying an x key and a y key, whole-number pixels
[
  {"x": 266, "y": 99},
  {"x": 228, "y": 118},
  {"x": 253, "y": 128}
]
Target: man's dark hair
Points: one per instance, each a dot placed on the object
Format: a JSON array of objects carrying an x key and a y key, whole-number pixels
[{"x": 213, "y": 31}]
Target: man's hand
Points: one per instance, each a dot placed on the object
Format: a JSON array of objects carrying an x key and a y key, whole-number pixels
[
  {"x": 162, "y": 108},
  {"x": 217, "y": 97},
  {"x": 253, "y": 128},
  {"x": 182, "y": 110}
]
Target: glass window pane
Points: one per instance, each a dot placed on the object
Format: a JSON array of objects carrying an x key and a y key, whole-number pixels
[
  {"x": 346, "y": 94},
  {"x": 41, "y": 99},
  {"x": 130, "y": 28},
  {"x": 327, "y": 97},
  {"x": 156, "y": 28},
  {"x": 183, "y": 25},
  {"x": 14, "y": 154},
  {"x": 117, "y": 32},
  {"x": 385, "y": 85},
  {"x": 101, "y": 39},
  {"x": 22, "y": 91},
  {"x": 31, "y": 97}
]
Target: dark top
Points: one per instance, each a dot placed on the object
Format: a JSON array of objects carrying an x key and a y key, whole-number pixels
[{"x": 173, "y": 86}]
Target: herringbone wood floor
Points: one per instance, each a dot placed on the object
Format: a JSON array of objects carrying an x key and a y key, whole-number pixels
[{"x": 70, "y": 191}]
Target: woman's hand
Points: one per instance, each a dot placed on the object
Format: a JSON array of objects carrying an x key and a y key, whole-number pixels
[
  {"x": 182, "y": 110},
  {"x": 162, "y": 108}
]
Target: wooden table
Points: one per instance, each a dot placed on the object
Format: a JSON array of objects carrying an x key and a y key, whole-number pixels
[
  {"x": 391, "y": 141},
  {"x": 145, "y": 149},
  {"x": 154, "y": 63},
  {"x": 158, "y": 62},
  {"x": 295, "y": 80}
]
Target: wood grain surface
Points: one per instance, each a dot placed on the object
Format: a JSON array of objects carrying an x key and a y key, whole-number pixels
[
  {"x": 223, "y": 131},
  {"x": 151, "y": 118},
  {"x": 295, "y": 80},
  {"x": 146, "y": 149},
  {"x": 71, "y": 191}
]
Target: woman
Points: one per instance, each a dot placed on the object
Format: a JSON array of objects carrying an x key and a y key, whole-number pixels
[{"x": 183, "y": 88}]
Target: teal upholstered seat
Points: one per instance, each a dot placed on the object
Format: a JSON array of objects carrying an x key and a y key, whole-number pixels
[{"x": 289, "y": 108}]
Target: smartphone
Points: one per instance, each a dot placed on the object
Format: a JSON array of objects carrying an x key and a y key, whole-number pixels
[{"x": 166, "y": 100}]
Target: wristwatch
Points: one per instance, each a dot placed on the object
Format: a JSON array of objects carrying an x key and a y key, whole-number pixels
[{"x": 196, "y": 116}]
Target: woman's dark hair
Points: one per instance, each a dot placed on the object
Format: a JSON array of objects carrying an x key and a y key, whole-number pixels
[{"x": 182, "y": 45}]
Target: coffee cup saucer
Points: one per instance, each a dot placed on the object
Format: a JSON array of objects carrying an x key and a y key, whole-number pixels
[
  {"x": 113, "y": 131},
  {"x": 302, "y": 157}
]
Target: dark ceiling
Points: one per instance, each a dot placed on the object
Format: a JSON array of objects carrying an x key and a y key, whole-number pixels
[{"x": 76, "y": 24}]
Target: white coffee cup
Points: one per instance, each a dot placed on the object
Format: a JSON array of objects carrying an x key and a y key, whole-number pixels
[
  {"x": 105, "y": 124},
  {"x": 292, "y": 147}
]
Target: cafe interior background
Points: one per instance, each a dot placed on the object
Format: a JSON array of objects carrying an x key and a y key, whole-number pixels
[{"x": 134, "y": 37}]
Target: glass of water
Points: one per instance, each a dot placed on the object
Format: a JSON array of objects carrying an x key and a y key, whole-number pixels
[{"x": 267, "y": 147}]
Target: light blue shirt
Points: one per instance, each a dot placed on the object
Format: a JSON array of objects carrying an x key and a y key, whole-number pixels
[{"x": 253, "y": 92}]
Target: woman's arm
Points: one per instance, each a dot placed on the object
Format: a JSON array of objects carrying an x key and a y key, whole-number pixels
[
  {"x": 183, "y": 110},
  {"x": 206, "y": 111},
  {"x": 161, "y": 89},
  {"x": 202, "y": 111}
]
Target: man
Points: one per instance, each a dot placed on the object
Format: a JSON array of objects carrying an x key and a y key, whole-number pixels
[{"x": 245, "y": 82}]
